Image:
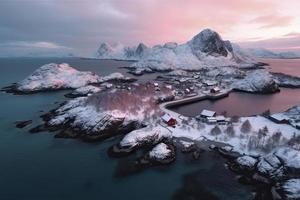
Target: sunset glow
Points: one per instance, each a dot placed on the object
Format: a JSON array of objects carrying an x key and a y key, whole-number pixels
[{"x": 82, "y": 25}]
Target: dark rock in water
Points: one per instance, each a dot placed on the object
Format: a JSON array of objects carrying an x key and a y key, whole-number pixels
[
  {"x": 209, "y": 42},
  {"x": 228, "y": 153},
  {"x": 261, "y": 179},
  {"x": 12, "y": 89},
  {"x": 118, "y": 151},
  {"x": 196, "y": 155},
  {"x": 22, "y": 124},
  {"x": 189, "y": 149},
  {"x": 39, "y": 128},
  {"x": 67, "y": 133},
  {"x": 272, "y": 88}
]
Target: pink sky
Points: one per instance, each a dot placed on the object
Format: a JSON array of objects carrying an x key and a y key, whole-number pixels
[
  {"x": 81, "y": 25},
  {"x": 157, "y": 21}
]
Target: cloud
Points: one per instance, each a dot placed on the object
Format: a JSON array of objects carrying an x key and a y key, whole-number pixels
[
  {"x": 82, "y": 25},
  {"x": 287, "y": 42},
  {"x": 272, "y": 20},
  {"x": 33, "y": 48},
  {"x": 26, "y": 44}
]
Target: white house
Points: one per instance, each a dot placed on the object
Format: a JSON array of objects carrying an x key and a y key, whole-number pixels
[
  {"x": 211, "y": 120},
  {"x": 208, "y": 113},
  {"x": 215, "y": 90}
]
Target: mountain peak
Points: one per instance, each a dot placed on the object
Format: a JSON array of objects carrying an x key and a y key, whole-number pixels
[
  {"x": 210, "y": 42},
  {"x": 104, "y": 49},
  {"x": 140, "y": 50}
]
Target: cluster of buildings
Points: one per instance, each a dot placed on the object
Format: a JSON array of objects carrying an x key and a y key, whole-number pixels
[{"x": 206, "y": 116}]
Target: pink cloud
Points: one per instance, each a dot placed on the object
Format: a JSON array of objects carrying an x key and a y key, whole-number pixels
[
  {"x": 284, "y": 43},
  {"x": 160, "y": 21},
  {"x": 273, "y": 20}
]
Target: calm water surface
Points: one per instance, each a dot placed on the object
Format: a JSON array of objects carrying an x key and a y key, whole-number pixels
[
  {"x": 244, "y": 104},
  {"x": 38, "y": 166},
  {"x": 287, "y": 66}
]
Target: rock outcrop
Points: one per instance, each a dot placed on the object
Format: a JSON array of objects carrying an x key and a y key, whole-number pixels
[{"x": 257, "y": 81}]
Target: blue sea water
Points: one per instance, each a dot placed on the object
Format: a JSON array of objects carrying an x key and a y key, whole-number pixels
[{"x": 41, "y": 167}]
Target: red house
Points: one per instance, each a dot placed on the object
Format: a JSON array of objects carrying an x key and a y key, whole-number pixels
[{"x": 168, "y": 120}]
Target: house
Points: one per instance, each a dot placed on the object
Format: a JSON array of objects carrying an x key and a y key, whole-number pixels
[
  {"x": 168, "y": 120},
  {"x": 221, "y": 119},
  {"x": 207, "y": 113},
  {"x": 155, "y": 84},
  {"x": 279, "y": 118},
  {"x": 211, "y": 120},
  {"x": 215, "y": 90}
]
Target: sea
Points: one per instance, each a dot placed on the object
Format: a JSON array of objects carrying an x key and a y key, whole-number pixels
[{"x": 41, "y": 167}]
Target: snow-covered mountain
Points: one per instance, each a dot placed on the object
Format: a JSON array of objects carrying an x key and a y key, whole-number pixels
[
  {"x": 265, "y": 53},
  {"x": 206, "y": 49}
]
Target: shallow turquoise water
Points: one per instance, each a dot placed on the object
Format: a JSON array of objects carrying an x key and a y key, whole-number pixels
[{"x": 38, "y": 166}]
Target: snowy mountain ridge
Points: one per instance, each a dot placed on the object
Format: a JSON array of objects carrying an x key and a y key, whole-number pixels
[{"x": 204, "y": 50}]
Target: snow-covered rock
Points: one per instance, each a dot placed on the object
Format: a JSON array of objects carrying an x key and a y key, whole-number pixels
[
  {"x": 84, "y": 91},
  {"x": 116, "y": 76},
  {"x": 160, "y": 152},
  {"x": 55, "y": 76},
  {"x": 246, "y": 162},
  {"x": 289, "y": 156},
  {"x": 291, "y": 188},
  {"x": 145, "y": 135},
  {"x": 257, "y": 81},
  {"x": 270, "y": 166}
]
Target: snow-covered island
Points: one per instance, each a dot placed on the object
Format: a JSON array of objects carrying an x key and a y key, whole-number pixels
[
  {"x": 262, "y": 149},
  {"x": 52, "y": 76}
]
